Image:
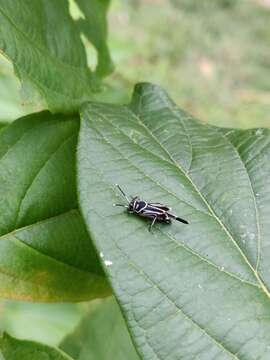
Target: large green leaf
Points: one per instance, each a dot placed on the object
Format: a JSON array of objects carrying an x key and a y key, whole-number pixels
[
  {"x": 45, "y": 251},
  {"x": 197, "y": 291},
  {"x": 101, "y": 335},
  {"x": 43, "y": 42},
  {"x": 14, "y": 349}
]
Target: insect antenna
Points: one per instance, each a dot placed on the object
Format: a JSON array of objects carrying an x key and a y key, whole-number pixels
[
  {"x": 125, "y": 196},
  {"x": 122, "y": 192}
]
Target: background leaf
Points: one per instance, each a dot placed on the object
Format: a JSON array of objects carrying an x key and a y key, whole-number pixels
[
  {"x": 45, "y": 251},
  {"x": 204, "y": 285},
  {"x": 94, "y": 26},
  {"x": 101, "y": 335},
  {"x": 11, "y": 104},
  {"x": 13, "y": 349},
  {"x": 2, "y": 125},
  {"x": 43, "y": 42},
  {"x": 41, "y": 322}
]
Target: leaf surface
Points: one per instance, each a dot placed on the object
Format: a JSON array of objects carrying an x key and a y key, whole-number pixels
[
  {"x": 187, "y": 291},
  {"x": 102, "y": 335},
  {"x": 45, "y": 251},
  {"x": 43, "y": 42}
]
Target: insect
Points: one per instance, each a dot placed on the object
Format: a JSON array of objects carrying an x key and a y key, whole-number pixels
[{"x": 153, "y": 211}]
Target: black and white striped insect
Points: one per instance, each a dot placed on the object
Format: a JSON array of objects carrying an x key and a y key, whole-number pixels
[{"x": 153, "y": 211}]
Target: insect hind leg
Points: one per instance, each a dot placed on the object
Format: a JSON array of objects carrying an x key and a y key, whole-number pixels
[{"x": 152, "y": 223}]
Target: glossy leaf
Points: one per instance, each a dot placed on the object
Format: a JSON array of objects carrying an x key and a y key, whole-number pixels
[
  {"x": 14, "y": 349},
  {"x": 101, "y": 335},
  {"x": 45, "y": 251},
  {"x": 188, "y": 291},
  {"x": 43, "y": 42}
]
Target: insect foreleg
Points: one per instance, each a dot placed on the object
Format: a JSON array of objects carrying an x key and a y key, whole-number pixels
[{"x": 122, "y": 205}]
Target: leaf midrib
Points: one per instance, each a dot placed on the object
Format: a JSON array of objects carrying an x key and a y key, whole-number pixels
[
  {"x": 29, "y": 185},
  {"x": 263, "y": 286},
  {"x": 6, "y": 237},
  {"x": 39, "y": 122}
]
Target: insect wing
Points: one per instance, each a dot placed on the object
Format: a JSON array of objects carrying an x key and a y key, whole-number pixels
[
  {"x": 160, "y": 206},
  {"x": 156, "y": 209},
  {"x": 155, "y": 212},
  {"x": 148, "y": 214}
]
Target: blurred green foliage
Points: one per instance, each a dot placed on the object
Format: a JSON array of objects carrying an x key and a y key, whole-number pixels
[
  {"x": 11, "y": 105},
  {"x": 211, "y": 56},
  {"x": 40, "y": 322},
  {"x": 213, "y": 59}
]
